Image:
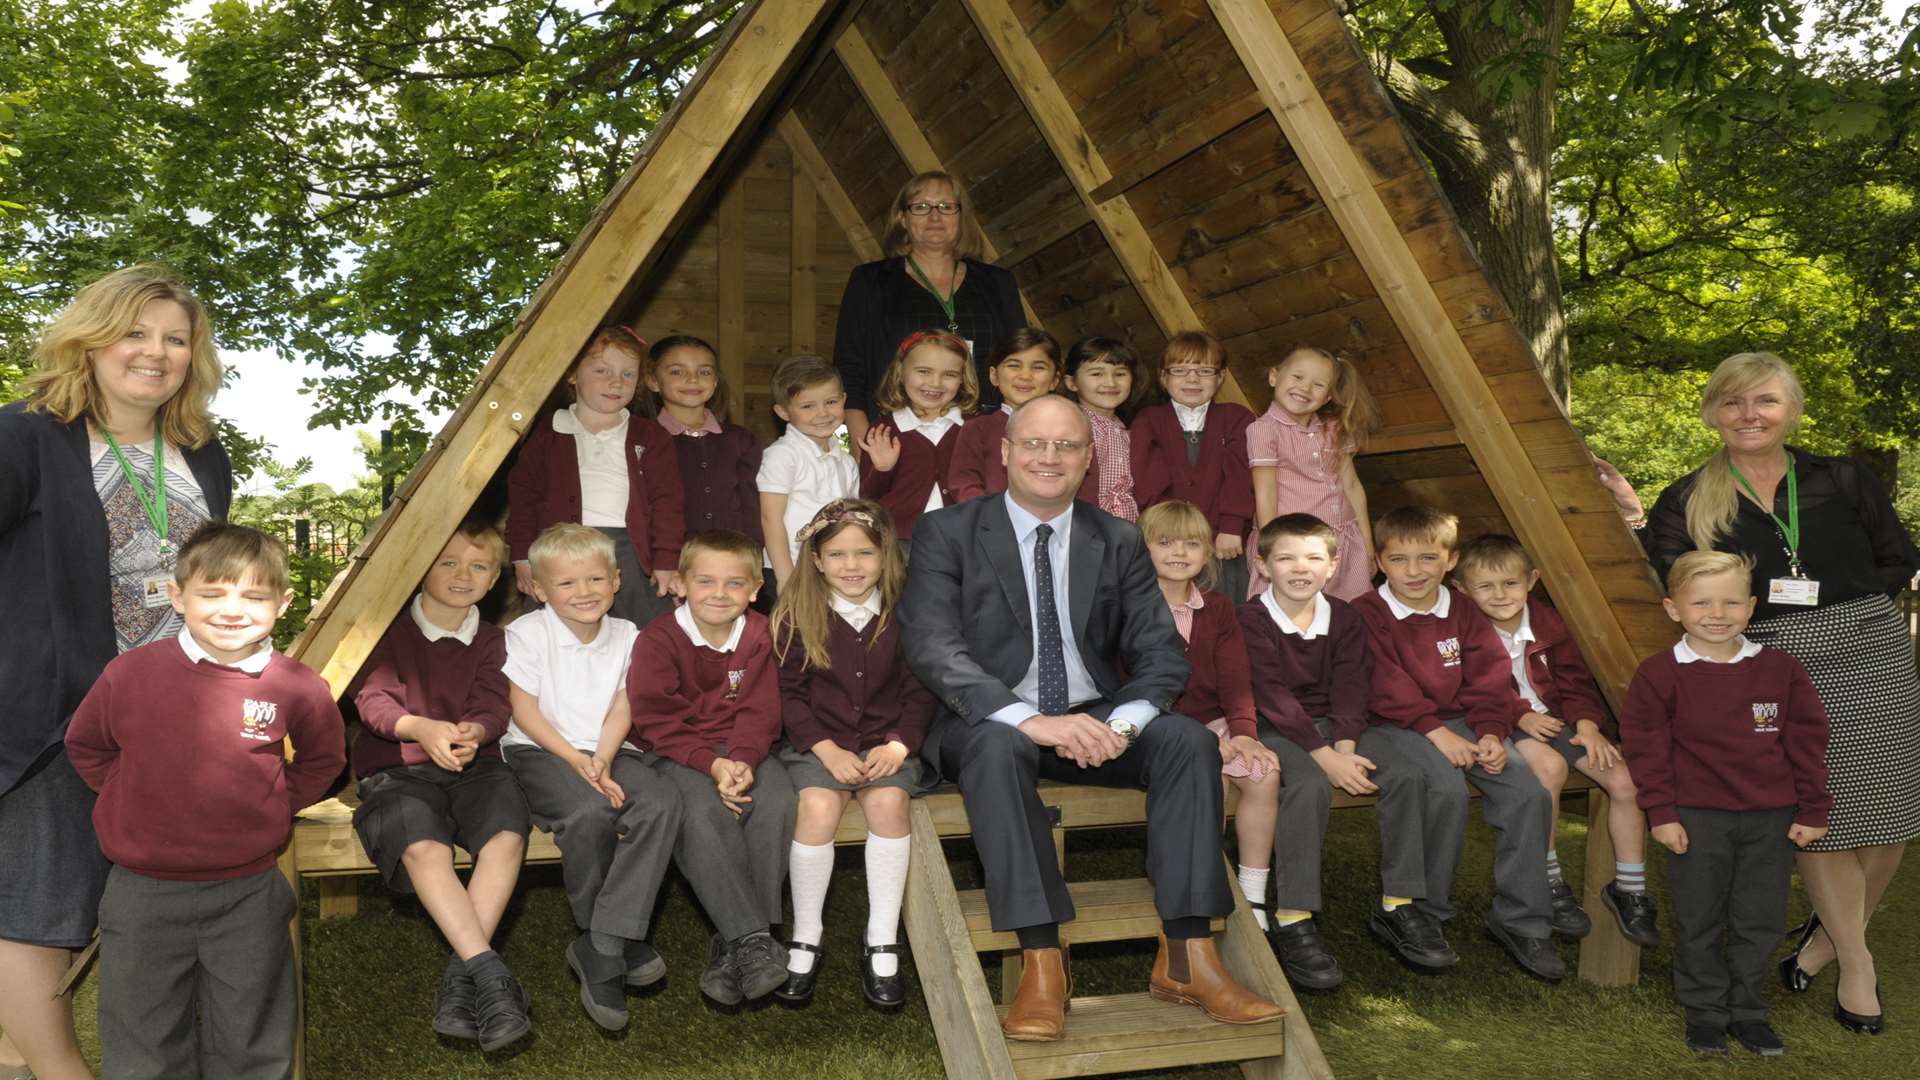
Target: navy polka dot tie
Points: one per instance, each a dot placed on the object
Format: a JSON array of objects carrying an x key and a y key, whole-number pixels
[{"x": 1053, "y": 658}]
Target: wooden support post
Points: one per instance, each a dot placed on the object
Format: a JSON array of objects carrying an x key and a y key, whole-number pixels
[
  {"x": 1607, "y": 958},
  {"x": 730, "y": 293},
  {"x": 808, "y": 159},
  {"x": 1370, "y": 230},
  {"x": 1250, "y": 960},
  {"x": 804, "y": 258},
  {"x": 339, "y": 896},
  {"x": 964, "y": 1020}
]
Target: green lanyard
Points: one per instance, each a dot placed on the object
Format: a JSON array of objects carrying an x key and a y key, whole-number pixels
[
  {"x": 154, "y": 504},
  {"x": 946, "y": 302},
  {"x": 1790, "y": 528}
]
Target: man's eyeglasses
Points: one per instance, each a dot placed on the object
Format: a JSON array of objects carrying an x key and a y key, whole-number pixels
[
  {"x": 1193, "y": 372},
  {"x": 922, "y": 209},
  {"x": 1060, "y": 446}
]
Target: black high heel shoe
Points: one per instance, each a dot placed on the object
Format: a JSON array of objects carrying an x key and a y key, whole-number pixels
[
  {"x": 1861, "y": 1025},
  {"x": 1792, "y": 976}
]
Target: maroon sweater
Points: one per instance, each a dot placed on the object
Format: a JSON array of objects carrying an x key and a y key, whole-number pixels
[
  {"x": 1221, "y": 686},
  {"x": 977, "y": 470},
  {"x": 692, "y": 703},
  {"x": 903, "y": 489},
  {"x": 1296, "y": 681},
  {"x": 717, "y": 481},
  {"x": 1427, "y": 670},
  {"x": 1750, "y": 735},
  {"x": 190, "y": 760},
  {"x": 442, "y": 680},
  {"x": 543, "y": 489},
  {"x": 1219, "y": 483},
  {"x": 1559, "y": 673},
  {"x": 867, "y": 698}
]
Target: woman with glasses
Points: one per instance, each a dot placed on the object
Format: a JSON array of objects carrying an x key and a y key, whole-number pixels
[{"x": 931, "y": 277}]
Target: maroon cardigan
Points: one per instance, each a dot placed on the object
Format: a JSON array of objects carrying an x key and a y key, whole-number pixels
[
  {"x": 543, "y": 489},
  {"x": 1221, "y": 685},
  {"x": 1220, "y": 483},
  {"x": 1295, "y": 680},
  {"x": 1427, "y": 670},
  {"x": 867, "y": 698},
  {"x": 1559, "y": 673},
  {"x": 977, "y": 470},
  {"x": 903, "y": 489},
  {"x": 719, "y": 481}
]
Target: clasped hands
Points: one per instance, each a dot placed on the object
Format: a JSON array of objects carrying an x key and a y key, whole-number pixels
[
  {"x": 877, "y": 763},
  {"x": 448, "y": 745},
  {"x": 1078, "y": 737},
  {"x": 1488, "y": 753}
]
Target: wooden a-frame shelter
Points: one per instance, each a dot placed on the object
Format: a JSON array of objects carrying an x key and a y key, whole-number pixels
[{"x": 1231, "y": 165}]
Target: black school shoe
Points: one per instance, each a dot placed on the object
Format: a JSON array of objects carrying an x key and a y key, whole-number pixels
[
  {"x": 502, "y": 1011},
  {"x": 718, "y": 981},
  {"x": 798, "y": 989},
  {"x": 1569, "y": 919},
  {"x": 759, "y": 964},
  {"x": 1414, "y": 936},
  {"x": 603, "y": 991},
  {"x": 1637, "y": 914},
  {"x": 453, "y": 1004},
  {"x": 1757, "y": 1036},
  {"x": 1702, "y": 1039},
  {"x": 1304, "y": 957},
  {"x": 1535, "y": 956},
  {"x": 885, "y": 991},
  {"x": 644, "y": 965}
]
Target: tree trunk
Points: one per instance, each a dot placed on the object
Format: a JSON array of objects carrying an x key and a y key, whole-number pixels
[{"x": 1493, "y": 158}]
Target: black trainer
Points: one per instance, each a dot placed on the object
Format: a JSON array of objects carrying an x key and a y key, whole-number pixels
[
  {"x": 1702, "y": 1039},
  {"x": 1637, "y": 913},
  {"x": 885, "y": 991},
  {"x": 1304, "y": 957},
  {"x": 1413, "y": 936},
  {"x": 1569, "y": 919},
  {"x": 644, "y": 965},
  {"x": 453, "y": 1004},
  {"x": 798, "y": 989},
  {"x": 503, "y": 1012},
  {"x": 718, "y": 981},
  {"x": 1535, "y": 956},
  {"x": 1757, "y": 1036},
  {"x": 759, "y": 963},
  {"x": 603, "y": 991}
]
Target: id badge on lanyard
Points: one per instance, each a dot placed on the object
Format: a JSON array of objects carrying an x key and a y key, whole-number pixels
[{"x": 1796, "y": 589}]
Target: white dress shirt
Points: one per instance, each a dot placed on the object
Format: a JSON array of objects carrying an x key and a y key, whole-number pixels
[{"x": 1191, "y": 417}]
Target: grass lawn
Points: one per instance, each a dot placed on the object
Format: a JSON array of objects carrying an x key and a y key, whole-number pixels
[{"x": 370, "y": 978}]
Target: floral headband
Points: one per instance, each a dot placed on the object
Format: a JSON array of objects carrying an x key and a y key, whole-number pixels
[
  {"x": 828, "y": 518},
  {"x": 942, "y": 337}
]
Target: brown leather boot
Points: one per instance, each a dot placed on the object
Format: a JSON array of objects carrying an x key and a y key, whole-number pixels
[
  {"x": 1190, "y": 972},
  {"x": 1038, "y": 1012}
]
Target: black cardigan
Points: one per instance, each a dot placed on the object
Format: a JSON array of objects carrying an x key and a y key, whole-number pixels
[
  {"x": 53, "y": 572},
  {"x": 883, "y": 304}
]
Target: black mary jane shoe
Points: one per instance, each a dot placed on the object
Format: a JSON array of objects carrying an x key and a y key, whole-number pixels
[
  {"x": 798, "y": 989},
  {"x": 1792, "y": 975},
  {"x": 884, "y": 991},
  {"x": 1861, "y": 1025}
]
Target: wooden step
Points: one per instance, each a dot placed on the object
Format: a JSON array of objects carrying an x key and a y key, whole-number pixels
[
  {"x": 1130, "y": 1032},
  {"x": 1104, "y": 911}
]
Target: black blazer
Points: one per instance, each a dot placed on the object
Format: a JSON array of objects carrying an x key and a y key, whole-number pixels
[
  {"x": 968, "y": 629},
  {"x": 882, "y": 305},
  {"x": 53, "y": 572}
]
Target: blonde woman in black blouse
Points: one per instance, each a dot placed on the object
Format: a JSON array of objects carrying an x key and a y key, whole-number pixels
[{"x": 1828, "y": 553}]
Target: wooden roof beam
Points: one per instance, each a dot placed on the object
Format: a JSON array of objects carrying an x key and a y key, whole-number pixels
[
  {"x": 813, "y": 165},
  {"x": 1411, "y": 299}
]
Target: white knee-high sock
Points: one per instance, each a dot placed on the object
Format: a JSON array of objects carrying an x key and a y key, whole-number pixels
[
  {"x": 886, "y": 886},
  {"x": 809, "y": 870}
]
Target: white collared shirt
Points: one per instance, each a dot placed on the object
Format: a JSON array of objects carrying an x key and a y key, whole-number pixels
[
  {"x": 935, "y": 430},
  {"x": 857, "y": 615},
  {"x": 1683, "y": 652},
  {"x": 683, "y": 617},
  {"x": 469, "y": 626},
  {"x": 574, "y": 681},
  {"x": 603, "y": 468},
  {"x": 254, "y": 664},
  {"x": 1516, "y": 644},
  {"x": 808, "y": 476},
  {"x": 1191, "y": 417},
  {"x": 1322, "y": 616},
  {"x": 1439, "y": 610}
]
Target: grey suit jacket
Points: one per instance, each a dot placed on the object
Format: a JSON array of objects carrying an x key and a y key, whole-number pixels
[{"x": 967, "y": 627}]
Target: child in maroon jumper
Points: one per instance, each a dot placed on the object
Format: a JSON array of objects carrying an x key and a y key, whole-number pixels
[
  {"x": 1569, "y": 727},
  {"x": 923, "y": 399},
  {"x": 1728, "y": 742},
  {"x": 855, "y": 717},
  {"x": 1195, "y": 449},
  {"x": 433, "y": 704},
  {"x": 704, "y": 695},
  {"x": 1025, "y": 366},
  {"x": 186, "y": 742},
  {"x": 591, "y": 463}
]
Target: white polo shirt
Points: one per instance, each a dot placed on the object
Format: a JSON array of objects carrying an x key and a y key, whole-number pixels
[
  {"x": 604, "y": 485},
  {"x": 808, "y": 476},
  {"x": 574, "y": 681},
  {"x": 1516, "y": 644}
]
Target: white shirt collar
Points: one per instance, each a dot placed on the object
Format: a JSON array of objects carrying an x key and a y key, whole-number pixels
[
  {"x": 1683, "y": 653},
  {"x": 567, "y": 422},
  {"x": 908, "y": 420},
  {"x": 1522, "y": 634},
  {"x": 469, "y": 625},
  {"x": 1400, "y": 611},
  {"x": 1322, "y": 616},
  {"x": 1006, "y": 408},
  {"x": 684, "y": 616},
  {"x": 805, "y": 442},
  {"x": 857, "y": 615},
  {"x": 563, "y": 633},
  {"x": 1191, "y": 417},
  {"x": 254, "y": 664}
]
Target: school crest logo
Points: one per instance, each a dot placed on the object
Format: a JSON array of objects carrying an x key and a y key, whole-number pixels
[
  {"x": 256, "y": 717},
  {"x": 1449, "y": 651},
  {"x": 1766, "y": 716},
  {"x": 734, "y": 679}
]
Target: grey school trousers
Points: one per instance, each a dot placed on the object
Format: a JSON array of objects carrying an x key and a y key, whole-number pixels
[
  {"x": 1733, "y": 881},
  {"x": 196, "y": 978},
  {"x": 1512, "y": 801},
  {"x": 1306, "y": 795},
  {"x": 612, "y": 861},
  {"x": 737, "y": 865}
]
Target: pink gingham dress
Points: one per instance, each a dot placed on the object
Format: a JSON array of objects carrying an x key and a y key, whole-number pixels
[
  {"x": 1306, "y": 463},
  {"x": 1113, "y": 458}
]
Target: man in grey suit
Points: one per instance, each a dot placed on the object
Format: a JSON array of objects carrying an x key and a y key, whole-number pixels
[{"x": 1037, "y": 623}]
